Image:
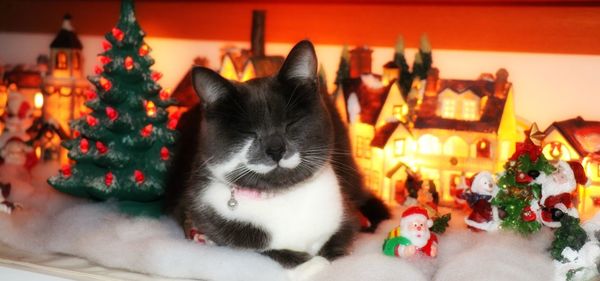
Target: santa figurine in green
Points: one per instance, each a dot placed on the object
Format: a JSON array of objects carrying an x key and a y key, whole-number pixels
[{"x": 412, "y": 236}]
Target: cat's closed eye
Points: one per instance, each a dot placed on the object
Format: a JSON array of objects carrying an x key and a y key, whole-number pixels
[{"x": 293, "y": 122}]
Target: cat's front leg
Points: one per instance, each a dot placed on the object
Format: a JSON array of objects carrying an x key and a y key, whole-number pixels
[
  {"x": 288, "y": 258},
  {"x": 231, "y": 233},
  {"x": 340, "y": 242}
]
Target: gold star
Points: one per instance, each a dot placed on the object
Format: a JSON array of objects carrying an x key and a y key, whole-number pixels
[{"x": 535, "y": 135}]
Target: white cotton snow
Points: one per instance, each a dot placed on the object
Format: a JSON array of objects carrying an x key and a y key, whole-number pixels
[{"x": 51, "y": 222}]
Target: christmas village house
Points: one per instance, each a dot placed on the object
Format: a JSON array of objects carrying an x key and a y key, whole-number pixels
[
  {"x": 579, "y": 140},
  {"x": 442, "y": 128},
  {"x": 237, "y": 64}
]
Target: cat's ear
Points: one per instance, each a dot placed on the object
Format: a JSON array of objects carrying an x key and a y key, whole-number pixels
[
  {"x": 209, "y": 85},
  {"x": 300, "y": 64}
]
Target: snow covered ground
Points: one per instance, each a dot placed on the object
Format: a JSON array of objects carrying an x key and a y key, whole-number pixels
[{"x": 54, "y": 223}]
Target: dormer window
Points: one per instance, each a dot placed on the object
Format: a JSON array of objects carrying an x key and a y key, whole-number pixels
[
  {"x": 61, "y": 60},
  {"x": 470, "y": 110},
  {"x": 449, "y": 108},
  {"x": 399, "y": 111}
]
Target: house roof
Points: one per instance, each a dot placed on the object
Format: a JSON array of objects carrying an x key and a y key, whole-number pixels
[
  {"x": 383, "y": 134},
  {"x": 491, "y": 113},
  {"x": 23, "y": 77},
  {"x": 370, "y": 98},
  {"x": 582, "y": 135},
  {"x": 66, "y": 39},
  {"x": 184, "y": 93}
]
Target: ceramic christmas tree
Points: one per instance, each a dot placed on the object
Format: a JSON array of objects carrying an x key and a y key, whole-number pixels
[
  {"x": 517, "y": 185},
  {"x": 122, "y": 148}
]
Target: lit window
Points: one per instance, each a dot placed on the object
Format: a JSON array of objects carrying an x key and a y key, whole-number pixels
[
  {"x": 429, "y": 144},
  {"x": 363, "y": 147},
  {"x": 399, "y": 147},
  {"x": 397, "y": 112},
  {"x": 449, "y": 108},
  {"x": 483, "y": 149},
  {"x": 76, "y": 61},
  {"x": 470, "y": 110},
  {"x": 61, "y": 60}
]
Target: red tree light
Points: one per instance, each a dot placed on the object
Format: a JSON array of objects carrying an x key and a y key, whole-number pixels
[
  {"x": 106, "y": 45},
  {"x": 84, "y": 146},
  {"x": 111, "y": 113},
  {"x": 101, "y": 147},
  {"x": 150, "y": 109},
  {"x": 164, "y": 94},
  {"x": 139, "y": 176},
  {"x": 90, "y": 95},
  {"x": 104, "y": 59},
  {"x": 164, "y": 153},
  {"x": 108, "y": 178},
  {"x": 117, "y": 33},
  {"x": 156, "y": 76},
  {"x": 105, "y": 83},
  {"x": 147, "y": 130},
  {"x": 144, "y": 50},
  {"x": 98, "y": 69},
  {"x": 128, "y": 63},
  {"x": 66, "y": 171},
  {"x": 91, "y": 120},
  {"x": 76, "y": 134}
]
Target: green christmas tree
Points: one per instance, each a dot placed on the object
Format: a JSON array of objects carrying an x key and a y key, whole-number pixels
[
  {"x": 122, "y": 148},
  {"x": 517, "y": 187},
  {"x": 569, "y": 234}
]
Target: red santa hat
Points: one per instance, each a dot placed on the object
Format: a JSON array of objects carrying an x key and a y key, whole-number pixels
[
  {"x": 417, "y": 211},
  {"x": 579, "y": 172}
]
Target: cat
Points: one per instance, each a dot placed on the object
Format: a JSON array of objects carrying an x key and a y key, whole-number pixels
[{"x": 266, "y": 165}]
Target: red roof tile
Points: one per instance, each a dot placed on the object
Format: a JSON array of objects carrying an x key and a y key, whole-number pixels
[{"x": 582, "y": 135}]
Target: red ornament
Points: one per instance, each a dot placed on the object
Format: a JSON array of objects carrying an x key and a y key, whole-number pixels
[
  {"x": 523, "y": 178},
  {"x": 101, "y": 147},
  {"x": 117, "y": 33},
  {"x": 108, "y": 178},
  {"x": 139, "y": 176},
  {"x": 91, "y": 120},
  {"x": 128, "y": 63},
  {"x": 66, "y": 171},
  {"x": 144, "y": 50},
  {"x": 76, "y": 134},
  {"x": 98, "y": 69},
  {"x": 173, "y": 120},
  {"x": 90, "y": 95},
  {"x": 164, "y": 94},
  {"x": 111, "y": 113},
  {"x": 156, "y": 76},
  {"x": 528, "y": 215},
  {"x": 147, "y": 130},
  {"x": 84, "y": 146},
  {"x": 105, "y": 83},
  {"x": 164, "y": 153},
  {"x": 106, "y": 45}
]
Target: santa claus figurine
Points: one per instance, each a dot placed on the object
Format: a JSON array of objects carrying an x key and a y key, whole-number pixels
[
  {"x": 483, "y": 215},
  {"x": 412, "y": 236},
  {"x": 13, "y": 140},
  {"x": 557, "y": 188}
]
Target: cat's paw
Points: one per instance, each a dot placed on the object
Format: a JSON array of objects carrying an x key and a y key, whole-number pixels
[{"x": 309, "y": 269}]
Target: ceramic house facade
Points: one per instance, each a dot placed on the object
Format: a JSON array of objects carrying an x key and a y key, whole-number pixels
[{"x": 442, "y": 128}]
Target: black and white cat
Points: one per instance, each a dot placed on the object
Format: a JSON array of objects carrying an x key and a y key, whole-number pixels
[{"x": 266, "y": 165}]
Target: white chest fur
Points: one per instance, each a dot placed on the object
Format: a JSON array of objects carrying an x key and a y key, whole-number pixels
[{"x": 302, "y": 219}]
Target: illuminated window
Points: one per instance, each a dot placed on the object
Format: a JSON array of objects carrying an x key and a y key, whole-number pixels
[
  {"x": 399, "y": 111},
  {"x": 455, "y": 146},
  {"x": 61, "y": 60},
  {"x": 399, "y": 147},
  {"x": 470, "y": 110},
  {"x": 483, "y": 149},
  {"x": 556, "y": 151},
  {"x": 429, "y": 144},
  {"x": 76, "y": 61},
  {"x": 363, "y": 147},
  {"x": 449, "y": 108}
]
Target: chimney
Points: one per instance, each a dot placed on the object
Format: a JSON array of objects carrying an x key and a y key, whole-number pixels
[
  {"x": 433, "y": 75},
  {"x": 360, "y": 61},
  {"x": 500, "y": 83},
  {"x": 258, "y": 33}
]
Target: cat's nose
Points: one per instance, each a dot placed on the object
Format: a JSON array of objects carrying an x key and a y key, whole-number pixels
[{"x": 275, "y": 148}]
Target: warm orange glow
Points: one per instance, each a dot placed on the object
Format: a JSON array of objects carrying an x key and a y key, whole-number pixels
[
  {"x": 482, "y": 145},
  {"x": 429, "y": 144},
  {"x": 150, "y": 109},
  {"x": 38, "y": 152},
  {"x": 65, "y": 91},
  {"x": 164, "y": 94},
  {"x": 38, "y": 100}
]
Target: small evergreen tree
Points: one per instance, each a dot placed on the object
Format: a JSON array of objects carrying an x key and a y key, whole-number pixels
[
  {"x": 122, "y": 148},
  {"x": 343, "y": 71}
]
